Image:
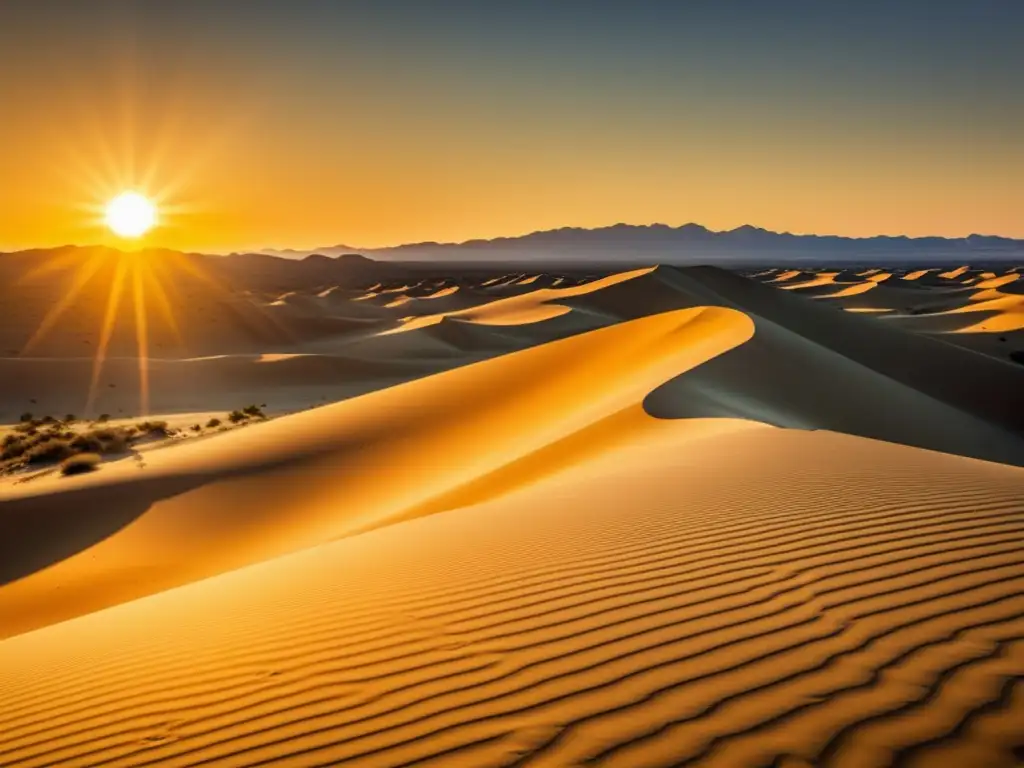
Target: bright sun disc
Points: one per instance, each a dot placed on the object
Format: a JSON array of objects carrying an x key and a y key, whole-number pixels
[{"x": 130, "y": 215}]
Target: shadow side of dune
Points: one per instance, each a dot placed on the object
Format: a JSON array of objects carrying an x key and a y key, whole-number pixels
[{"x": 973, "y": 384}]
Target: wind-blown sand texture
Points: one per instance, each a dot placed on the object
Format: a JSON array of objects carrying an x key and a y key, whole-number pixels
[{"x": 656, "y": 517}]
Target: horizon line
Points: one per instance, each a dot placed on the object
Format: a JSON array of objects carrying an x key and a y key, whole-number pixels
[{"x": 474, "y": 240}]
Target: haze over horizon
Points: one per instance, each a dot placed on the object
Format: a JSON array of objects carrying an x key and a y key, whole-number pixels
[{"x": 258, "y": 125}]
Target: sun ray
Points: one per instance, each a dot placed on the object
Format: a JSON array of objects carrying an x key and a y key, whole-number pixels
[
  {"x": 141, "y": 337},
  {"x": 82, "y": 277},
  {"x": 106, "y": 155},
  {"x": 161, "y": 146},
  {"x": 57, "y": 262},
  {"x": 156, "y": 289},
  {"x": 84, "y": 176},
  {"x": 216, "y": 141},
  {"x": 186, "y": 265},
  {"x": 109, "y": 320}
]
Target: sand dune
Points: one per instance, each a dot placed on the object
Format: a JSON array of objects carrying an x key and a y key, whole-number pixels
[
  {"x": 982, "y": 310},
  {"x": 822, "y": 278},
  {"x": 937, "y": 369},
  {"x": 387, "y": 452},
  {"x": 199, "y": 349},
  {"x": 839, "y": 600},
  {"x": 657, "y": 517},
  {"x": 533, "y": 306}
]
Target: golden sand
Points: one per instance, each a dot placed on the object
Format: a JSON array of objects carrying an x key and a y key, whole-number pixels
[{"x": 632, "y": 533}]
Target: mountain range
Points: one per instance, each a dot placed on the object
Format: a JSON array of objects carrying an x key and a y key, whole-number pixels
[{"x": 689, "y": 244}]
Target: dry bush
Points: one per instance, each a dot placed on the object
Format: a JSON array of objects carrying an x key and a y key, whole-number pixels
[
  {"x": 80, "y": 464},
  {"x": 12, "y": 449},
  {"x": 48, "y": 452},
  {"x": 153, "y": 429},
  {"x": 87, "y": 443},
  {"x": 102, "y": 441},
  {"x": 45, "y": 441}
]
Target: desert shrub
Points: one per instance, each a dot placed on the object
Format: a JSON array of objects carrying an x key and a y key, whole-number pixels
[
  {"x": 196, "y": 428},
  {"x": 27, "y": 416},
  {"x": 27, "y": 428},
  {"x": 253, "y": 412},
  {"x": 80, "y": 464},
  {"x": 213, "y": 423},
  {"x": 13, "y": 449},
  {"x": 153, "y": 429},
  {"x": 118, "y": 442},
  {"x": 49, "y": 452},
  {"x": 87, "y": 443},
  {"x": 236, "y": 416},
  {"x": 102, "y": 441},
  {"x": 70, "y": 418},
  {"x": 10, "y": 439},
  {"x": 103, "y": 418},
  {"x": 47, "y": 420}
]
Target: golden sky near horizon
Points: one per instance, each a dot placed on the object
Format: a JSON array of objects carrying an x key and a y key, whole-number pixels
[{"x": 263, "y": 131}]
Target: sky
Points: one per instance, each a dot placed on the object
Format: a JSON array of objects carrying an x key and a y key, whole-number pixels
[{"x": 308, "y": 123}]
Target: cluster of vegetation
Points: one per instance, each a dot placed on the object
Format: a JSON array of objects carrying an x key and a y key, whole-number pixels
[
  {"x": 80, "y": 464},
  {"x": 247, "y": 413},
  {"x": 153, "y": 429},
  {"x": 46, "y": 440}
]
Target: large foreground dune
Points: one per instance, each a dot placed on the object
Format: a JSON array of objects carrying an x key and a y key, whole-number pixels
[{"x": 659, "y": 517}]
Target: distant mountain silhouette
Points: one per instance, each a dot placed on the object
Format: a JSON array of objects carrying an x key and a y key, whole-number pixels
[
  {"x": 252, "y": 271},
  {"x": 569, "y": 247},
  {"x": 693, "y": 244}
]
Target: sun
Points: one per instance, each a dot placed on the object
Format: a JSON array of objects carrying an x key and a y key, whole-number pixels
[{"x": 130, "y": 215}]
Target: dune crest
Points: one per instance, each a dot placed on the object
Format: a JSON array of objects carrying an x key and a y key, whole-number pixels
[
  {"x": 338, "y": 470},
  {"x": 532, "y": 307}
]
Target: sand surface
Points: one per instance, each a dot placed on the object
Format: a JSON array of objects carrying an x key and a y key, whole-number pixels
[
  {"x": 648, "y": 518},
  {"x": 979, "y": 309}
]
